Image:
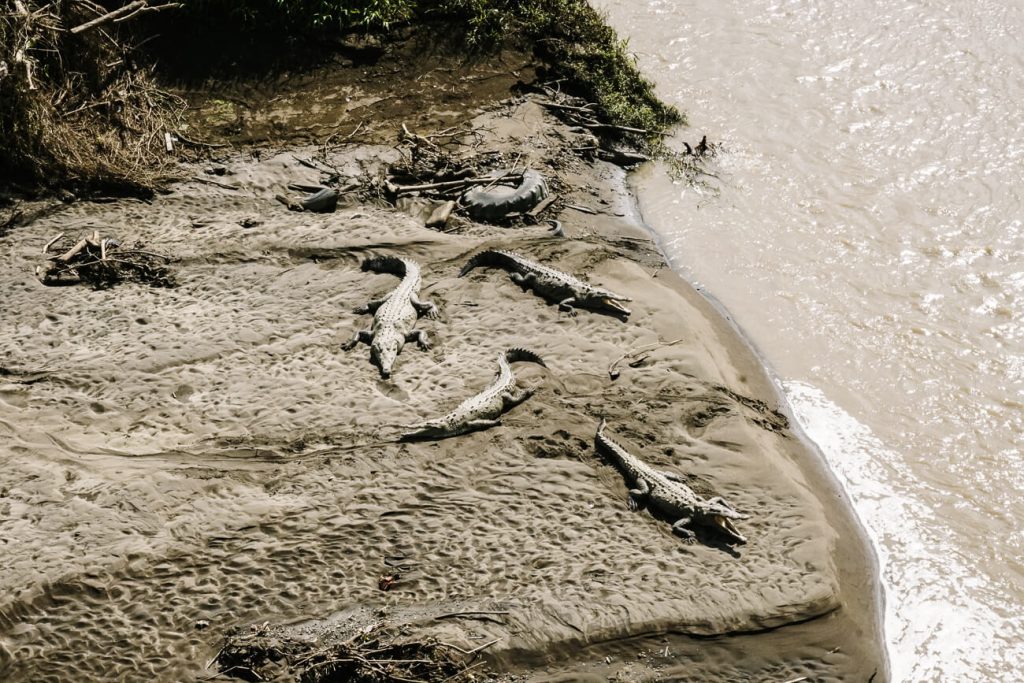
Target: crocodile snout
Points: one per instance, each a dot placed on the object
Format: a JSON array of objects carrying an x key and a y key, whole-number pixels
[
  {"x": 384, "y": 354},
  {"x": 616, "y": 306},
  {"x": 728, "y": 528}
]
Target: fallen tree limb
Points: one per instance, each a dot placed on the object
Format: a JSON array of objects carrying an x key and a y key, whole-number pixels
[
  {"x": 614, "y": 373},
  {"x": 551, "y": 105},
  {"x": 102, "y": 263},
  {"x": 625, "y": 129},
  {"x": 110, "y": 16},
  {"x": 132, "y": 9},
  {"x": 449, "y": 184},
  {"x": 148, "y": 8}
]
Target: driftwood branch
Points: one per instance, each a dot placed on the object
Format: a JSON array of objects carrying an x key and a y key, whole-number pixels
[
  {"x": 590, "y": 122},
  {"x": 551, "y": 105},
  {"x": 614, "y": 373},
  {"x": 123, "y": 13},
  {"x": 470, "y": 652},
  {"x": 409, "y": 135},
  {"x": 109, "y": 16},
  {"x": 148, "y": 8},
  {"x": 451, "y": 184},
  {"x": 625, "y": 129}
]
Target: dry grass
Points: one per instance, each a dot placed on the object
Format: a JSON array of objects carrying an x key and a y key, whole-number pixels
[{"x": 76, "y": 110}]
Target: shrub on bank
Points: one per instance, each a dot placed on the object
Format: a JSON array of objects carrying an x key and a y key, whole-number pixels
[{"x": 80, "y": 109}]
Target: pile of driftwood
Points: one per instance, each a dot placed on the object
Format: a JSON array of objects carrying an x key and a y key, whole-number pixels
[
  {"x": 579, "y": 112},
  {"x": 585, "y": 115},
  {"x": 377, "y": 654},
  {"x": 435, "y": 168},
  {"x": 101, "y": 263}
]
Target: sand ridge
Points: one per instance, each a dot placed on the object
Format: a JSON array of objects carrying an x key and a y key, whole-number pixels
[{"x": 210, "y": 453}]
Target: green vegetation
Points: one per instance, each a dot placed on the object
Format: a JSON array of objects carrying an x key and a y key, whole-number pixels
[
  {"x": 81, "y": 110},
  {"x": 569, "y": 35}
]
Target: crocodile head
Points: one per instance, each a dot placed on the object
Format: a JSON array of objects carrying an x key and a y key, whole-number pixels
[
  {"x": 613, "y": 303},
  {"x": 720, "y": 516},
  {"x": 608, "y": 301},
  {"x": 383, "y": 352}
]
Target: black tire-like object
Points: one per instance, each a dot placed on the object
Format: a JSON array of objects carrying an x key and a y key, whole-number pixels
[
  {"x": 498, "y": 202},
  {"x": 324, "y": 201}
]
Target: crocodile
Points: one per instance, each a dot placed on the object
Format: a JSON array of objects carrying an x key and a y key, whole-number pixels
[
  {"x": 394, "y": 315},
  {"x": 668, "y": 493},
  {"x": 552, "y": 284},
  {"x": 483, "y": 410}
]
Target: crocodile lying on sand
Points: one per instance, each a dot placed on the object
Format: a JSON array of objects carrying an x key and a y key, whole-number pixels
[
  {"x": 551, "y": 284},
  {"x": 483, "y": 410},
  {"x": 395, "y": 315},
  {"x": 668, "y": 493}
]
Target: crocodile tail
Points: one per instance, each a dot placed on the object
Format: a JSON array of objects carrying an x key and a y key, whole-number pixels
[
  {"x": 387, "y": 264},
  {"x": 604, "y": 442},
  {"x": 516, "y": 355},
  {"x": 490, "y": 257}
]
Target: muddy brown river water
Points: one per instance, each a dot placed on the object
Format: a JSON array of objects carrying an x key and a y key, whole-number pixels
[{"x": 865, "y": 230}]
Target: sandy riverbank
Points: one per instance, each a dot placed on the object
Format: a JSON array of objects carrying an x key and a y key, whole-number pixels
[{"x": 209, "y": 453}]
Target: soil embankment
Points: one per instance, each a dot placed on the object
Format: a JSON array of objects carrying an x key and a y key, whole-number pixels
[{"x": 181, "y": 462}]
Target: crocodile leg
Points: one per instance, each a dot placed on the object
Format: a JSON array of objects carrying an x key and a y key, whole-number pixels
[
  {"x": 372, "y": 306},
  {"x": 424, "y": 308},
  {"x": 566, "y": 305},
  {"x": 482, "y": 424},
  {"x": 680, "y": 528},
  {"x": 365, "y": 336},
  {"x": 524, "y": 280},
  {"x": 720, "y": 501},
  {"x": 672, "y": 476},
  {"x": 420, "y": 337},
  {"x": 639, "y": 494},
  {"x": 514, "y": 398}
]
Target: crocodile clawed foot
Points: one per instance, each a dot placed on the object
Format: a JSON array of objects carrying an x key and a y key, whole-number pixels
[{"x": 685, "y": 535}]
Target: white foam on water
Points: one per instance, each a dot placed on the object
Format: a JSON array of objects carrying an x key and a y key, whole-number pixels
[{"x": 936, "y": 629}]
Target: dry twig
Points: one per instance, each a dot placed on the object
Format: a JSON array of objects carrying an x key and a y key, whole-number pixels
[{"x": 614, "y": 373}]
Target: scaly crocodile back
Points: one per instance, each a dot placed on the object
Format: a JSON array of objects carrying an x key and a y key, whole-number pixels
[
  {"x": 518, "y": 355},
  {"x": 409, "y": 271},
  {"x": 513, "y": 262}
]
